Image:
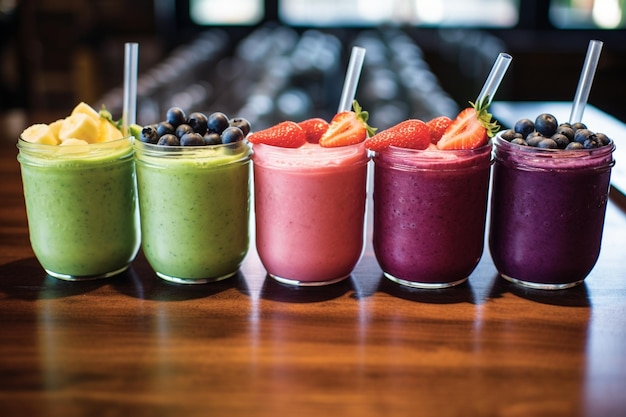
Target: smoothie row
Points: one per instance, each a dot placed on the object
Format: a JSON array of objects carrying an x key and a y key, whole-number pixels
[{"x": 182, "y": 188}]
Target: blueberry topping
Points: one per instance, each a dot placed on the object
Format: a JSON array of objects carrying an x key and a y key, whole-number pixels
[
  {"x": 232, "y": 134},
  {"x": 565, "y": 129},
  {"x": 579, "y": 125},
  {"x": 546, "y": 124},
  {"x": 603, "y": 139},
  {"x": 182, "y": 129},
  {"x": 175, "y": 116},
  {"x": 524, "y": 126},
  {"x": 192, "y": 139},
  {"x": 574, "y": 145},
  {"x": 534, "y": 139},
  {"x": 519, "y": 141},
  {"x": 582, "y": 135},
  {"x": 168, "y": 140},
  {"x": 217, "y": 122},
  {"x": 561, "y": 140},
  {"x": 165, "y": 128},
  {"x": 198, "y": 122},
  {"x": 149, "y": 135},
  {"x": 242, "y": 124},
  {"x": 547, "y": 143},
  {"x": 212, "y": 139}
]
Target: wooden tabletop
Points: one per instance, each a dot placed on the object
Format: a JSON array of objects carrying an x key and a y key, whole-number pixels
[{"x": 136, "y": 346}]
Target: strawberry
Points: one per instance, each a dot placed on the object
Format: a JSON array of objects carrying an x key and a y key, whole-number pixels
[
  {"x": 412, "y": 134},
  {"x": 314, "y": 129},
  {"x": 437, "y": 127},
  {"x": 285, "y": 134},
  {"x": 471, "y": 128},
  {"x": 347, "y": 128}
]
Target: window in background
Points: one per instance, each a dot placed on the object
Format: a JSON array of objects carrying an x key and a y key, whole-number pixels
[
  {"x": 588, "y": 14},
  {"x": 237, "y": 12},
  {"x": 440, "y": 13}
]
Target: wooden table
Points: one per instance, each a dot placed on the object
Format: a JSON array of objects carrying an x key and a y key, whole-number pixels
[{"x": 138, "y": 346}]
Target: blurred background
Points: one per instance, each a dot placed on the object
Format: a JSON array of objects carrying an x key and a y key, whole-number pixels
[{"x": 285, "y": 59}]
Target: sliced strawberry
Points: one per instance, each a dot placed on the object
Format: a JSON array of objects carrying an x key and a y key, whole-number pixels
[
  {"x": 314, "y": 129},
  {"x": 412, "y": 134},
  {"x": 471, "y": 128},
  {"x": 285, "y": 134},
  {"x": 347, "y": 128},
  {"x": 437, "y": 127}
]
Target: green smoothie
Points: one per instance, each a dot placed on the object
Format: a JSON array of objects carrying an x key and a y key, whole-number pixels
[
  {"x": 82, "y": 207},
  {"x": 194, "y": 205}
]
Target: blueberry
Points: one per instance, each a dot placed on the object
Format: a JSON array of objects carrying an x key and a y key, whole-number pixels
[
  {"x": 508, "y": 135},
  {"x": 524, "y": 126},
  {"x": 566, "y": 129},
  {"x": 232, "y": 134},
  {"x": 149, "y": 135},
  {"x": 574, "y": 145},
  {"x": 242, "y": 124},
  {"x": 546, "y": 124},
  {"x": 578, "y": 125},
  {"x": 175, "y": 116},
  {"x": 561, "y": 140},
  {"x": 168, "y": 140},
  {"x": 165, "y": 128},
  {"x": 581, "y": 135},
  {"x": 198, "y": 122},
  {"x": 217, "y": 122},
  {"x": 591, "y": 143},
  {"x": 182, "y": 129},
  {"x": 547, "y": 143},
  {"x": 603, "y": 139},
  {"x": 519, "y": 141},
  {"x": 534, "y": 139},
  {"x": 212, "y": 139},
  {"x": 192, "y": 139}
]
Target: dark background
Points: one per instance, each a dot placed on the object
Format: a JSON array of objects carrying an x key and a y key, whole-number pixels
[{"x": 55, "y": 53}]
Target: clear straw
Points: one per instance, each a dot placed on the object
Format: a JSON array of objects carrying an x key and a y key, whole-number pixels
[
  {"x": 585, "y": 81},
  {"x": 495, "y": 78},
  {"x": 129, "y": 112},
  {"x": 352, "y": 78}
]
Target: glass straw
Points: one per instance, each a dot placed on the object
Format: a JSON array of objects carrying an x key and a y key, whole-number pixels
[
  {"x": 352, "y": 79},
  {"x": 584, "y": 83},
  {"x": 495, "y": 77},
  {"x": 129, "y": 112}
]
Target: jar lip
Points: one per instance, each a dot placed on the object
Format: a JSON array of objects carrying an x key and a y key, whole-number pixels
[{"x": 21, "y": 143}]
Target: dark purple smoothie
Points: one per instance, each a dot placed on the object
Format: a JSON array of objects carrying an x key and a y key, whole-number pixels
[
  {"x": 429, "y": 214},
  {"x": 547, "y": 213}
]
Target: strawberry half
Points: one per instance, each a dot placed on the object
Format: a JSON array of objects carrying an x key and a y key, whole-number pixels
[
  {"x": 285, "y": 134},
  {"x": 347, "y": 128},
  {"x": 471, "y": 128},
  {"x": 437, "y": 127},
  {"x": 412, "y": 134},
  {"x": 314, "y": 129}
]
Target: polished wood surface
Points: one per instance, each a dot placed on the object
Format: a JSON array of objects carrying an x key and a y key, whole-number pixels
[{"x": 135, "y": 345}]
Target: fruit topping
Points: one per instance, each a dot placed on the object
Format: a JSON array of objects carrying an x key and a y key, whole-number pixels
[
  {"x": 412, "y": 134},
  {"x": 437, "y": 127},
  {"x": 84, "y": 125},
  {"x": 314, "y": 129},
  {"x": 195, "y": 129},
  {"x": 347, "y": 128},
  {"x": 286, "y": 134},
  {"x": 470, "y": 129},
  {"x": 545, "y": 132}
]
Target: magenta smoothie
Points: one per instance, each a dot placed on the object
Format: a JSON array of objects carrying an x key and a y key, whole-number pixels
[
  {"x": 547, "y": 213},
  {"x": 310, "y": 206},
  {"x": 429, "y": 214}
]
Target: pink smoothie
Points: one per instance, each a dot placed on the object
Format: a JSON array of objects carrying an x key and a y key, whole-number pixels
[{"x": 310, "y": 207}]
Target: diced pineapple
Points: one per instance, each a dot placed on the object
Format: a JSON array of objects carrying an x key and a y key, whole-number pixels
[{"x": 80, "y": 126}]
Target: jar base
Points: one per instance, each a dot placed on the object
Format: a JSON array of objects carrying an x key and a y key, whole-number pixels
[
  {"x": 424, "y": 285},
  {"x": 300, "y": 283},
  {"x": 541, "y": 285},
  {"x": 194, "y": 281},
  {"x": 69, "y": 277}
]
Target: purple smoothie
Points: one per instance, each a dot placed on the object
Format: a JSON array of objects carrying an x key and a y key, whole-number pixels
[
  {"x": 547, "y": 213},
  {"x": 429, "y": 214}
]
